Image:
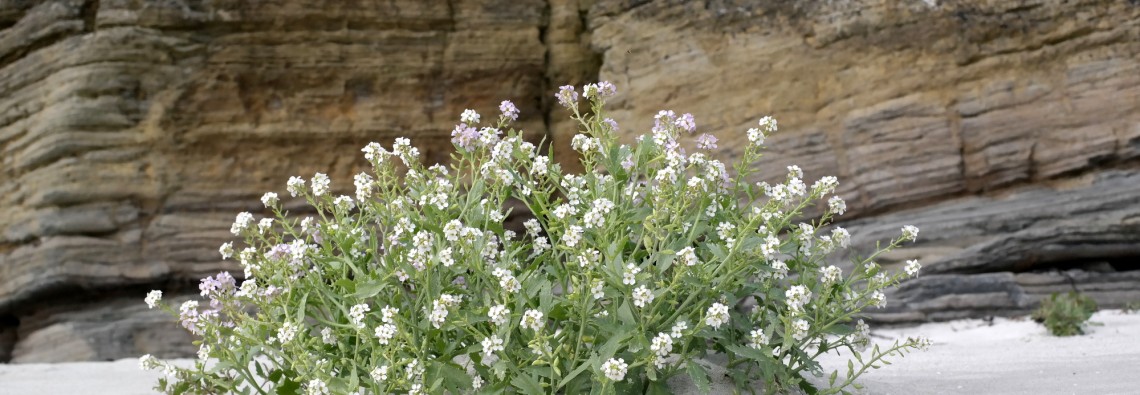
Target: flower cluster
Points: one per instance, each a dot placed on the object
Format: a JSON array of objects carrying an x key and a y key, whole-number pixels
[{"x": 617, "y": 279}]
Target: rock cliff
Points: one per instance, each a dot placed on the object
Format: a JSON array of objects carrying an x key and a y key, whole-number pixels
[{"x": 131, "y": 132}]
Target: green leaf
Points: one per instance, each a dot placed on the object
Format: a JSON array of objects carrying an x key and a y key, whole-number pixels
[
  {"x": 454, "y": 378},
  {"x": 717, "y": 251},
  {"x": 808, "y": 387},
  {"x": 347, "y": 285},
  {"x": 612, "y": 345},
  {"x": 665, "y": 260},
  {"x": 301, "y": 308},
  {"x": 831, "y": 380},
  {"x": 368, "y": 289},
  {"x": 527, "y": 384},
  {"x": 578, "y": 370},
  {"x": 289, "y": 387},
  {"x": 625, "y": 314},
  {"x": 658, "y": 388},
  {"x": 699, "y": 375}
]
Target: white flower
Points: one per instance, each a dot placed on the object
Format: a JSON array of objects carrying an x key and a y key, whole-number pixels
[
  {"x": 317, "y": 387},
  {"x": 755, "y": 136},
  {"x": 296, "y": 186},
  {"x": 385, "y": 333},
  {"x": 540, "y": 165},
  {"x": 589, "y": 258},
  {"x": 630, "y": 276},
  {"x": 800, "y": 329},
  {"x": 149, "y": 362},
  {"x": 499, "y": 314},
  {"x": 374, "y": 151},
  {"x": 597, "y": 289},
  {"x": 831, "y": 274},
  {"x": 688, "y": 256},
  {"x": 320, "y": 184},
  {"x": 841, "y": 237},
  {"x": 879, "y": 299},
  {"x": 379, "y": 374},
  {"x": 836, "y": 205},
  {"x": 287, "y": 332},
  {"x": 532, "y": 319},
  {"x": 491, "y": 345},
  {"x": 356, "y": 314},
  {"x": 344, "y": 203},
  {"x": 572, "y": 236},
  {"x": 509, "y": 283},
  {"x": 770, "y": 247},
  {"x": 445, "y": 257},
  {"x": 825, "y": 186},
  {"x": 452, "y": 229},
  {"x": 678, "y": 329},
  {"x": 241, "y": 223},
  {"x": 795, "y": 172},
  {"x": 642, "y": 296},
  {"x": 540, "y": 245},
  {"x": 564, "y": 210},
  {"x": 757, "y": 339},
  {"x": 717, "y": 315},
  {"x": 363, "y": 184},
  {"x": 615, "y": 369},
  {"x": 152, "y": 298},
  {"x": 476, "y": 382},
  {"x": 724, "y": 230},
  {"x": 922, "y": 343},
  {"x": 797, "y": 296},
  {"x": 227, "y": 250},
  {"x": 388, "y": 313},
  {"x": 264, "y": 225},
  {"x": 912, "y": 267},
  {"x": 662, "y": 345},
  {"x": 768, "y": 124},
  {"x": 327, "y": 336},
  {"x": 269, "y": 199},
  {"x": 862, "y": 335},
  {"x": 910, "y": 232},
  {"x": 469, "y": 117},
  {"x": 533, "y": 228}
]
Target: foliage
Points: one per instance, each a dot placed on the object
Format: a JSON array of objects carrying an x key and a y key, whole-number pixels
[
  {"x": 626, "y": 274},
  {"x": 1065, "y": 314}
]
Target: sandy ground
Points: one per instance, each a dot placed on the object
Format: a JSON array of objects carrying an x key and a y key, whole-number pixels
[{"x": 1010, "y": 356}]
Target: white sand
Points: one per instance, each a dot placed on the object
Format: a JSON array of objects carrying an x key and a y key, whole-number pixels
[{"x": 968, "y": 357}]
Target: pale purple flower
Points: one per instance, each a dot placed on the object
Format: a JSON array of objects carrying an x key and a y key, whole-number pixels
[
  {"x": 612, "y": 123},
  {"x": 627, "y": 163},
  {"x": 465, "y": 137},
  {"x": 606, "y": 89},
  {"x": 567, "y": 96},
  {"x": 601, "y": 89},
  {"x": 686, "y": 123},
  {"x": 706, "y": 142},
  {"x": 280, "y": 251},
  {"x": 509, "y": 110}
]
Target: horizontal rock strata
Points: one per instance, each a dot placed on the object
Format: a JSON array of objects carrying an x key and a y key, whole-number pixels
[{"x": 131, "y": 132}]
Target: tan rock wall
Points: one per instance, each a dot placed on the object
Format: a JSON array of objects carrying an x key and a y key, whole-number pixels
[
  {"x": 906, "y": 101},
  {"x": 131, "y": 132}
]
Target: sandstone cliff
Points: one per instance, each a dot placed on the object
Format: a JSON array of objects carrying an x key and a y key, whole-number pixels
[{"x": 132, "y": 131}]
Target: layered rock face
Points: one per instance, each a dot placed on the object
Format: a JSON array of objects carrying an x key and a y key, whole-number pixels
[
  {"x": 1009, "y": 132},
  {"x": 131, "y": 132}
]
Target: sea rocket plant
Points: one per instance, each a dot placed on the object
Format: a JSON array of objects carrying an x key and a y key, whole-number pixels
[{"x": 651, "y": 258}]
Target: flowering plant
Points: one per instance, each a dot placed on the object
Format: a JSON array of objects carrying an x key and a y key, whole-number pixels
[{"x": 624, "y": 276}]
